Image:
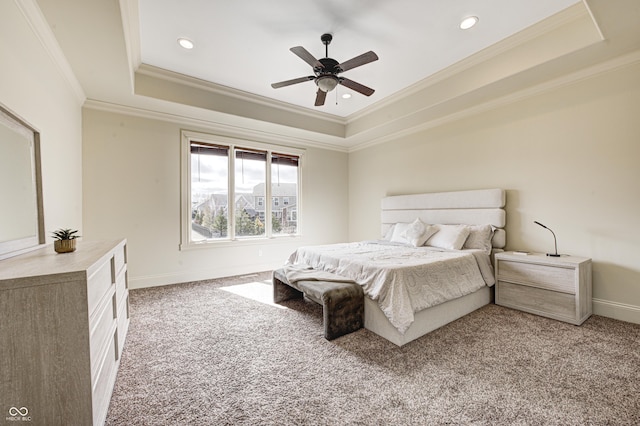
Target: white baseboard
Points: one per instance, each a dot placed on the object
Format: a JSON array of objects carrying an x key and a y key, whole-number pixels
[
  {"x": 615, "y": 310},
  {"x": 201, "y": 274}
]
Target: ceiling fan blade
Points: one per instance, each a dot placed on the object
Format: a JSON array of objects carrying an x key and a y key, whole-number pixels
[
  {"x": 306, "y": 56},
  {"x": 290, "y": 82},
  {"x": 360, "y": 88},
  {"x": 320, "y": 97},
  {"x": 365, "y": 58}
]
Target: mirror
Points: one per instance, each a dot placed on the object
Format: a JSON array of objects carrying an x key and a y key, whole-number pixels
[{"x": 21, "y": 213}]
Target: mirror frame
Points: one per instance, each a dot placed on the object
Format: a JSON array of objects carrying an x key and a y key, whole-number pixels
[{"x": 18, "y": 246}]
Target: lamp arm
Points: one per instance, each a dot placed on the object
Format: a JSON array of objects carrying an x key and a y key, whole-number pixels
[{"x": 555, "y": 241}]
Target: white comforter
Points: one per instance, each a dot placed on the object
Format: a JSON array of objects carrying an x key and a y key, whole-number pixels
[{"x": 402, "y": 279}]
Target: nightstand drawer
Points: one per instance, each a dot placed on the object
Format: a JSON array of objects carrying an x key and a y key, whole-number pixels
[
  {"x": 541, "y": 276},
  {"x": 535, "y": 300}
]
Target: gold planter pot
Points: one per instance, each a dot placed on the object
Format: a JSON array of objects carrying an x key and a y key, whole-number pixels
[{"x": 64, "y": 246}]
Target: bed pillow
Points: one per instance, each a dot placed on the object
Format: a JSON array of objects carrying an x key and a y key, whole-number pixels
[
  {"x": 389, "y": 233},
  {"x": 451, "y": 237},
  {"x": 480, "y": 237},
  {"x": 398, "y": 231},
  {"x": 414, "y": 233},
  {"x": 417, "y": 233}
]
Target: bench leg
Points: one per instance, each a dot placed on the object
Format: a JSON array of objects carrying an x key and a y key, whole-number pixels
[
  {"x": 282, "y": 291},
  {"x": 343, "y": 311}
]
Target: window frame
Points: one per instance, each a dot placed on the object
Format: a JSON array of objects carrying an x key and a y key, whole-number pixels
[{"x": 187, "y": 137}]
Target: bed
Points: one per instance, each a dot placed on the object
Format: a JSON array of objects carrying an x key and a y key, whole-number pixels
[{"x": 431, "y": 265}]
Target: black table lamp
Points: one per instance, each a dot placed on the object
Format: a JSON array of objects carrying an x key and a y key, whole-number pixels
[{"x": 555, "y": 242}]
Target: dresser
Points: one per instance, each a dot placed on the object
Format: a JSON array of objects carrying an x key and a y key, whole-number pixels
[
  {"x": 554, "y": 287},
  {"x": 64, "y": 320}
]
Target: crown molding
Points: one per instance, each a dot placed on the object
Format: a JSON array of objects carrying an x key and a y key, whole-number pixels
[
  {"x": 40, "y": 27},
  {"x": 614, "y": 64},
  {"x": 162, "y": 74},
  {"x": 129, "y": 13},
  {"x": 593, "y": 18},
  {"x": 236, "y": 131}
]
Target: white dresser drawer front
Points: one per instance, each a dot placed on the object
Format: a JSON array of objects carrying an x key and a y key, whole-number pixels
[
  {"x": 98, "y": 286},
  {"x": 120, "y": 258},
  {"x": 542, "y": 276},
  {"x": 102, "y": 326},
  {"x": 123, "y": 324},
  {"x": 536, "y": 300},
  {"x": 121, "y": 287},
  {"x": 103, "y": 382}
]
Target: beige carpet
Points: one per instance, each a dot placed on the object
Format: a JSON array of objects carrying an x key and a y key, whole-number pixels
[{"x": 199, "y": 354}]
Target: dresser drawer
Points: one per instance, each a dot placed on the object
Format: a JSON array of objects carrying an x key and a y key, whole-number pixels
[
  {"x": 102, "y": 326},
  {"x": 536, "y": 300},
  {"x": 541, "y": 276},
  {"x": 119, "y": 259},
  {"x": 121, "y": 287},
  {"x": 123, "y": 324},
  {"x": 104, "y": 381},
  {"x": 99, "y": 285}
]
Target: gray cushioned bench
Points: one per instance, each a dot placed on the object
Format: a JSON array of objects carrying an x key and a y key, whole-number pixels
[{"x": 342, "y": 302}]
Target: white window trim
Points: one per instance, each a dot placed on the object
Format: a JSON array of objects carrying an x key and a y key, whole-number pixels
[{"x": 187, "y": 137}]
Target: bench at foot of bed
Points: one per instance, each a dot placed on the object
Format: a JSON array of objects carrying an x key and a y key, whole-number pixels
[{"x": 342, "y": 303}]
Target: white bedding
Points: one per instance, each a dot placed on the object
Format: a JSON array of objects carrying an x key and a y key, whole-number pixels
[{"x": 402, "y": 279}]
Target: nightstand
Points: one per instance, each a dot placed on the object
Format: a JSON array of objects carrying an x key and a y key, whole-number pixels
[{"x": 554, "y": 287}]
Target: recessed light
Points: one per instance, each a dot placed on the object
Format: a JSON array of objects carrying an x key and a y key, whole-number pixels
[
  {"x": 346, "y": 95},
  {"x": 468, "y": 22},
  {"x": 185, "y": 43}
]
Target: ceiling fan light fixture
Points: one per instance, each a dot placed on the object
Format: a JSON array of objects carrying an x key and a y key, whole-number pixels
[
  {"x": 185, "y": 43},
  {"x": 327, "y": 83},
  {"x": 468, "y": 22}
]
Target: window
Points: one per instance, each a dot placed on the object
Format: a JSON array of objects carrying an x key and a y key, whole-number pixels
[{"x": 225, "y": 184}]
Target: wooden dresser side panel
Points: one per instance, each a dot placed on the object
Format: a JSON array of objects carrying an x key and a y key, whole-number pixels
[
  {"x": 44, "y": 362},
  {"x": 585, "y": 284}
]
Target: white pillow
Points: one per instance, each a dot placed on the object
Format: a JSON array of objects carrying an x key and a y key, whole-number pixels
[
  {"x": 387, "y": 236},
  {"x": 398, "y": 232},
  {"x": 480, "y": 237},
  {"x": 451, "y": 237},
  {"x": 417, "y": 233}
]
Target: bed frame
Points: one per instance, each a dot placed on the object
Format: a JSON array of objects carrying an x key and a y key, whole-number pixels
[{"x": 477, "y": 207}]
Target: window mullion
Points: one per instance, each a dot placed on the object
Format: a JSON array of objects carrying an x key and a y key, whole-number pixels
[
  {"x": 267, "y": 194},
  {"x": 231, "y": 200}
]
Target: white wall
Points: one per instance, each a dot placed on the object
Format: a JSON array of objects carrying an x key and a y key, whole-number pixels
[
  {"x": 132, "y": 190},
  {"x": 567, "y": 158},
  {"x": 33, "y": 87}
]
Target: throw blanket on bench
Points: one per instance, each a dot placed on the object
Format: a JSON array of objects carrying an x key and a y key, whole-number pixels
[{"x": 402, "y": 279}]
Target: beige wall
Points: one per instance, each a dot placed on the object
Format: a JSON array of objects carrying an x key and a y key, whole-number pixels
[
  {"x": 132, "y": 189},
  {"x": 33, "y": 87},
  {"x": 567, "y": 158}
]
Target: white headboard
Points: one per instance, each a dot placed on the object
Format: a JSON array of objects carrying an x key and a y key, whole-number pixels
[{"x": 476, "y": 207}]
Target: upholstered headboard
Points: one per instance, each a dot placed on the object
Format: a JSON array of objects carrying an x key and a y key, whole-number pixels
[{"x": 476, "y": 207}]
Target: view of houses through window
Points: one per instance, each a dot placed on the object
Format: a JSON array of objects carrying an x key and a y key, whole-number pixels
[{"x": 229, "y": 196}]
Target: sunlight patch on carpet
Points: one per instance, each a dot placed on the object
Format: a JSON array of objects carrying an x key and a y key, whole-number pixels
[{"x": 259, "y": 291}]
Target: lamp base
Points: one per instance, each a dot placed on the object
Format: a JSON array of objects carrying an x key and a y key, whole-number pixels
[{"x": 553, "y": 255}]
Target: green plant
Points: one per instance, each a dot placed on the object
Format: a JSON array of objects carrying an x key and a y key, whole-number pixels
[{"x": 65, "y": 234}]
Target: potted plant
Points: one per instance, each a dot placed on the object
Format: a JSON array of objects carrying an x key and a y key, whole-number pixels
[{"x": 65, "y": 240}]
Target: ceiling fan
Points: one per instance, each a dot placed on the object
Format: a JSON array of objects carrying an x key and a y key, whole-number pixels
[{"x": 326, "y": 71}]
